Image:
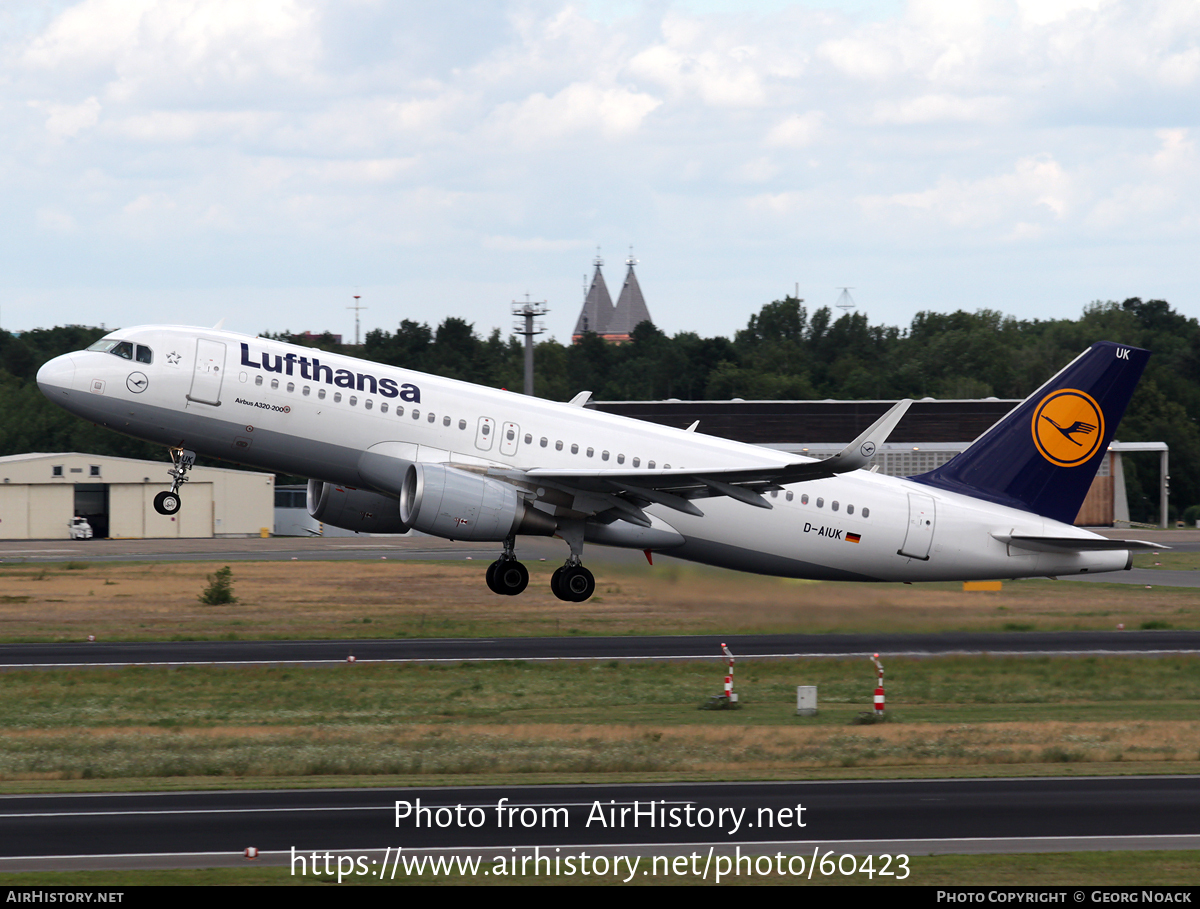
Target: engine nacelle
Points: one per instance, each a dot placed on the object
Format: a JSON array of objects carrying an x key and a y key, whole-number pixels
[
  {"x": 354, "y": 509},
  {"x": 460, "y": 505}
]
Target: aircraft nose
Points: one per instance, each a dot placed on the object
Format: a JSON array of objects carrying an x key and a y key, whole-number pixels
[{"x": 57, "y": 375}]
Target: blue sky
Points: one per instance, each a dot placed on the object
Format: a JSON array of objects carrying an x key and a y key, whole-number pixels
[{"x": 261, "y": 161}]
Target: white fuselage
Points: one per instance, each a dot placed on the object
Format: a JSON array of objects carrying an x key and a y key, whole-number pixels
[{"x": 310, "y": 413}]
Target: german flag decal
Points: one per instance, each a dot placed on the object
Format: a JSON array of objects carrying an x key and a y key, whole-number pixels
[{"x": 852, "y": 538}]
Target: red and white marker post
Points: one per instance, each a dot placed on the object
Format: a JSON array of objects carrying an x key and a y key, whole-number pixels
[
  {"x": 880, "y": 708},
  {"x": 729, "y": 695}
]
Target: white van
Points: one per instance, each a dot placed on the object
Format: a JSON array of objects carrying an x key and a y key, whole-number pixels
[{"x": 80, "y": 529}]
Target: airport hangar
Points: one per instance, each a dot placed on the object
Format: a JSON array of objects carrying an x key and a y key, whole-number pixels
[{"x": 41, "y": 493}]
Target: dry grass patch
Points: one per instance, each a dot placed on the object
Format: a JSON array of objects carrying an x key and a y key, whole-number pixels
[{"x": 390, "y": 598}]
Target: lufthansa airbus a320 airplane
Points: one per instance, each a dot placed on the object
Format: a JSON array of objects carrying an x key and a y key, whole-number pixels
[{"x": 389, "y": 450}]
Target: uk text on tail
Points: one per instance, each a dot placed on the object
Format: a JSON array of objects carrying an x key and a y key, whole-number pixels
[{"x": 1043, "y": 456}]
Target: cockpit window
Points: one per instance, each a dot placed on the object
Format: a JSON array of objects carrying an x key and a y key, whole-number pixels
[{"x": 123, "y": 349}]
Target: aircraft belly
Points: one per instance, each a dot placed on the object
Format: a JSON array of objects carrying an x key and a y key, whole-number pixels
[{"x": 213, "y": 436}]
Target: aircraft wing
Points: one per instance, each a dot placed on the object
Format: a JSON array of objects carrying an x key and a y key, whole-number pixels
[{"x": 628, "y": 491}]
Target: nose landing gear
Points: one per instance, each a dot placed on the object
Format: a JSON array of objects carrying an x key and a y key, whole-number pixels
[{"x": 182, "y": 460}]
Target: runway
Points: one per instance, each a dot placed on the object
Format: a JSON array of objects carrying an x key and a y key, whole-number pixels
[
  {"x": 203, "y": 829},
  {"x": 665, "y": 647}
]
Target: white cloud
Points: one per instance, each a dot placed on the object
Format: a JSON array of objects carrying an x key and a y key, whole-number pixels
[
  {"x": 1035, "y": 185},
  {"x": 799, "y": 131},
  {"x": 66, "y": 120},
  {"x": 580, "y": 108}
]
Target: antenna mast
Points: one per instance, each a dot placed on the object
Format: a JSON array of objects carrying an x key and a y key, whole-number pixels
[
  {"x": 356, "y": 307},
  {"x": 526, "y": 312}
]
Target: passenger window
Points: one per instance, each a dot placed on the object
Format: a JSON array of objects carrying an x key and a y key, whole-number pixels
[
  {"x": 383, "y": 408},
  {"x": 486, "y": 429},
  {"x": 462, "y": 424},
  {"x": 337, "y": 397},
  {"x": 274, "y": 383},
  {"x": 321, "y": 394},
  {"x": 820, "y": 502},
  {"x": 834, "y": 505},
  {"x": 849, "y": 509},
  {"x": 432, "y": 418},
  {"x": 445, "y": 421},
  {"x": 866, "y": 512},
  {"x": 789, "y": 495},
  {"x": 804, "y": 499},
  {"x": 574, "y": 448},
  {"x": 291, "y": 386},
  {"x": 650, "y": 465},
  {"x": 416, "y": 414},
  {"x": 307, "y": 391},
  {"x": 510, "y": 435},
  {"x": 637, "y": 462},
  {"x": 774, "y": 493},
  {"x": 604, "y": 456},
  {"x": 258, "y": 380},
  {"x": 590, "y": 452},
  {"x": 399, "y": 410},
  {"x": 528, "y": 439},
  {"x": 353, "y": 400},
  {"x": 368, "y": 403},
  {"x": 558, "y": 445},
  {"x": 144, "y": 354},
  {"x": 544, "y": 442},
  {"x": 620, "y": 459}
]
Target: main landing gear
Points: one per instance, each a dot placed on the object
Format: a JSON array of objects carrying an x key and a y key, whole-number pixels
[
  {"x": 572, "y": 582},
  {"x": 181, "y": 462},
  {"x": 506, "y": 576}
]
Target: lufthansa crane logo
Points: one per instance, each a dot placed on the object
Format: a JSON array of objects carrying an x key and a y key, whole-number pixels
[{"x": 1068, "y": 427}]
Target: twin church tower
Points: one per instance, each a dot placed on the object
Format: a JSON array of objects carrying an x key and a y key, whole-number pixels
[{"x": 612, "y": 323}]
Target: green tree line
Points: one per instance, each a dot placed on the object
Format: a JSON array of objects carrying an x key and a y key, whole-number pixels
[{"x": 784, "y": 352}]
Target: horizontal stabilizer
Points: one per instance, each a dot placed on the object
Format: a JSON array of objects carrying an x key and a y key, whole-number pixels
[{"x": 1073, "y": 544}]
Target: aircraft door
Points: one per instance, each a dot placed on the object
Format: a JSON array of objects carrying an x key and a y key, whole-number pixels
[
  {"x": 510, "y": 436},
  {"x": 485, "y": 433},
  {"x": 921, "y": 518},
  {"x": 208, "y": 372}
]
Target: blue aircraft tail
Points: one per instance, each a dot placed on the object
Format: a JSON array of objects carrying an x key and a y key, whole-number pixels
[{"x": 1043, "y": 456}]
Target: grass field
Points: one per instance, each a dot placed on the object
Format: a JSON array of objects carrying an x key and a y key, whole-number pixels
[
  {"x": 377, "y": 724},
  {"x": 543, "y": 722},
  {"x": 386, "y": 599}
]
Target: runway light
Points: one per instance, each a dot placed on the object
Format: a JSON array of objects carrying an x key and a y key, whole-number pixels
[
  {"x": 91, "y": 638},
  {"x": 251, "y": 852},
  {"x": 351, "y": 659}
]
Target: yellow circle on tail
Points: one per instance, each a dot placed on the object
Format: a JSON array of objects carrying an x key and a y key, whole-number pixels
[{"x": 1068, "y": 427}]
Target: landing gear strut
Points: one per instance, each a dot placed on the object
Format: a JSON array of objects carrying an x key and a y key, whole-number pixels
[
  {"x": 506, "y": 576},
  {"x": 181, "y": 462},
  {"x": 572, "y": 582}
]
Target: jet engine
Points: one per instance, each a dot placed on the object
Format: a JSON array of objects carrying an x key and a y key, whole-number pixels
[
  {"x": 459, "y": 505},
  {"x": 353, "y": 509}
]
